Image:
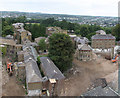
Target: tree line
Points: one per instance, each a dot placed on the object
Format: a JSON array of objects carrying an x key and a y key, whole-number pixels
[{"x": 38, "y": 27}]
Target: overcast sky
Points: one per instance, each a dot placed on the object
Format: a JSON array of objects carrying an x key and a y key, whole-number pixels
[{"x": 73, "y": 7}]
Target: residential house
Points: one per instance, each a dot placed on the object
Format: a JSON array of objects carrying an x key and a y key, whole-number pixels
[
  {"x": 80, "y": 41},
  {"x": 51, "y": 30},
  {"x": 84, "y": 52},
  {"x": 102, "y": 40},
  {"x": 20, "y": 34}
]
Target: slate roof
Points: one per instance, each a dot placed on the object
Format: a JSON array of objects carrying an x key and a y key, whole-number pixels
[
  {"x": 100, "y": 36},
  {"x": 28, "y": 56},
  {"x": 30, "y": 51},
  {"x": 34, "y": 52},
  {"x": 84, "y": 47},
  {"x": 99, "y": 91},
  {"x": 32, "y": 72},
  {"x": 50, "y": 69},
  {"x": 81, "y": 40}
]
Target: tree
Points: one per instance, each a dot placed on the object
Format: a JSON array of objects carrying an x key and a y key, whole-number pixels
[
  {"x": 61, "y": 50},
  {"x": 116, "y": 32},
  {"x": 42, "y": 44},
  {"x": 3, "y": 50},
  {"x": 36, "y": 29},
  {"x": 7, "y": 30}
]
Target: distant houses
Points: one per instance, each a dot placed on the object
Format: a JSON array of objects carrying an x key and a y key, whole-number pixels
[
  {"x": 51, "y": 30},
  {"x": 20, "y": 34}
]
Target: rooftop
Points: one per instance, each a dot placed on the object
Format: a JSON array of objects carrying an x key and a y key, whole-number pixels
[
  {"x": 99, "y": 36},
  {"x": 101, "y": 32},
  {"x": 50, "y": 69},
  {"x": 32, "y": 72},
  {"x": 81, "y": 40},
  {"x": 84, "y": 47}
]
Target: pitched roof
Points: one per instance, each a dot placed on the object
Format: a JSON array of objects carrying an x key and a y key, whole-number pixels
[
  {"x": 34, "y": 52},
  {"x": 81, "y": 40},
  {"x": 84, "y": 47},
  {"x": 50, "y": 69},
  {"x": 99, "y": 36},
  {"x": 32, "y": 72},
  {"x": 28, "y": 56}
]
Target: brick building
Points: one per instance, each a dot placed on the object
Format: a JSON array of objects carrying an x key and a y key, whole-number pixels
[
  {"x": 20, "y": 34},
  {"x": 102, "y": 40},
  {"x": 84, "y": 52},
  {"x": 80, "y": 41},
  {"x": 12, "y": 47}
]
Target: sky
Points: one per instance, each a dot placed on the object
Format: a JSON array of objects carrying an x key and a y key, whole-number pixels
[{"x": 72, "y": 7}]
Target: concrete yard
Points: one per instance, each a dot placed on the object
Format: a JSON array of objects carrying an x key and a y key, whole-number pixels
[{"x": 80, "y": 78}]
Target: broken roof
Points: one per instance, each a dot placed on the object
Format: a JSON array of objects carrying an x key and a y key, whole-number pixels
[
  {"x": 50, "y": 69},
  {"x": 81, "y": 40},
  {"x": 32, "y": 72}
]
